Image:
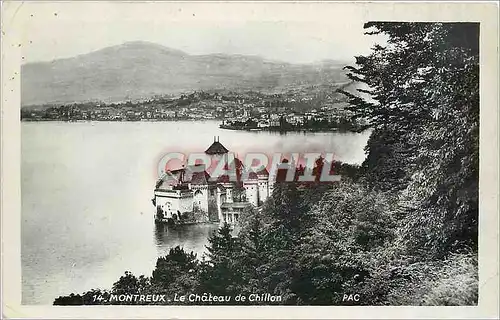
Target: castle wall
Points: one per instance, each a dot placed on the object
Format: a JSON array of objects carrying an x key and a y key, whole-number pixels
[
  {"x": 161, "y": 202},
  {"x": 174, "y": 202},
  {"x": 185, "y": 204}
]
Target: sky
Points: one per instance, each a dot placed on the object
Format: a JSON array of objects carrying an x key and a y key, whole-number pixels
[{"x": 296, "y": 33}]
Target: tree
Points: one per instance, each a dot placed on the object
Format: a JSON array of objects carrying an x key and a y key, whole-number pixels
[
  {"x": 284, "y": 205},
  {"x": 219, "y": 274},
  {"x": 91, "y": 297},
  {"x": 425, "y": 112},
  {"x": 288, "y": 222},
  {"x": 254, "y": 258},
  {"x": 385, "y": 166},
  {"x": 351, "y": 223},
  {"x": 176, "y": 273},
  {"x": 128, "y": 284}
]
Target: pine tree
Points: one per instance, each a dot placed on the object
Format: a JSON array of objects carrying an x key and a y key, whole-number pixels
[
  {"x": 254, "y": 256},
  {"x": 219, "y": 274}
]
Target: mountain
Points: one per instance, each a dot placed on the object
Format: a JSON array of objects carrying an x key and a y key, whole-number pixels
[{"x": 136, "y": 70}]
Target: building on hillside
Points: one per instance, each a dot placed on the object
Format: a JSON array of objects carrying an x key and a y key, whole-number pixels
[{"x": 191, "y": 195}]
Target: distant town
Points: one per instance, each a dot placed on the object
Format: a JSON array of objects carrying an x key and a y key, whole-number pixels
[{"x": 312, "y": 108}]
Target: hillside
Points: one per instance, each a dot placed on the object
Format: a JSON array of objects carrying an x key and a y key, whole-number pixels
[{"x": 136, "y": 70}]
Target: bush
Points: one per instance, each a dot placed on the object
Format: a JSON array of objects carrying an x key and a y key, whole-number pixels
[
  {"x": 451, "y": 282},
  {"x": 456, "y": 283}
]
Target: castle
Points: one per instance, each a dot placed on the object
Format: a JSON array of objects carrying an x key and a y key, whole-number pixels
[{"x": 190, "y": 195}]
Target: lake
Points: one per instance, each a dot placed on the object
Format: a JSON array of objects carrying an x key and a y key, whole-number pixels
[{"x": 87, "y": 215}]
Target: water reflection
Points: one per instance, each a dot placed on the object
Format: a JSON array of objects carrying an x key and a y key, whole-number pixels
[{"x": 190, "y": 237}]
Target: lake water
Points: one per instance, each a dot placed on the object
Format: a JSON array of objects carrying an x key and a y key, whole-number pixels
[{"x": 87, "y": 215}]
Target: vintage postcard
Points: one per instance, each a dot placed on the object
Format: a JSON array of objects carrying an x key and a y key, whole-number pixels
[{"x": 249, "y": 160}]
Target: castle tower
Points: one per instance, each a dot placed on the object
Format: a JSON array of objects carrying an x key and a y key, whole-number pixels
[
  {"x": 229, "y": 191},
  {"x": 251, "y": 185},
  {"x": 199, "y": 186},
  {"x": 217, "y": 152},
  {"x": 220, "y": 198},
  {"x": 263, "y": 185}
]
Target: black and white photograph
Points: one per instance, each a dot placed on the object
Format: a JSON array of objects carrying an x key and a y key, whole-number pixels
[{"x": 212, "y": 154}]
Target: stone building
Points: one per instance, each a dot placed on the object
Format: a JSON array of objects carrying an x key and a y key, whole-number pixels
[{"x": 191, "y": 195}]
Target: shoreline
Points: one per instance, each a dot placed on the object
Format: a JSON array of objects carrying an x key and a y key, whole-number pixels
[
  {"x": 262, "y": 129},
  {"x": 110, "y": 120},
  {"x": 289, "y": 129}
]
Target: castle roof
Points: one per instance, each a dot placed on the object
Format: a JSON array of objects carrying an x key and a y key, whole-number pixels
[
  {"x": 183, "y": 175},
  {"x": 252, "y": 176},
  {"x": 255, "y": 174},
  {"x": 232, "y": 205},
  {"x": 169, "y": 179},
  {"x": 263, "y": 172},
  {"x": 200, "y": 178},
  {"x": 225, "y": 178},
  {"x": 216, "y": 148},
  {"x": 236, "y": 162}
]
